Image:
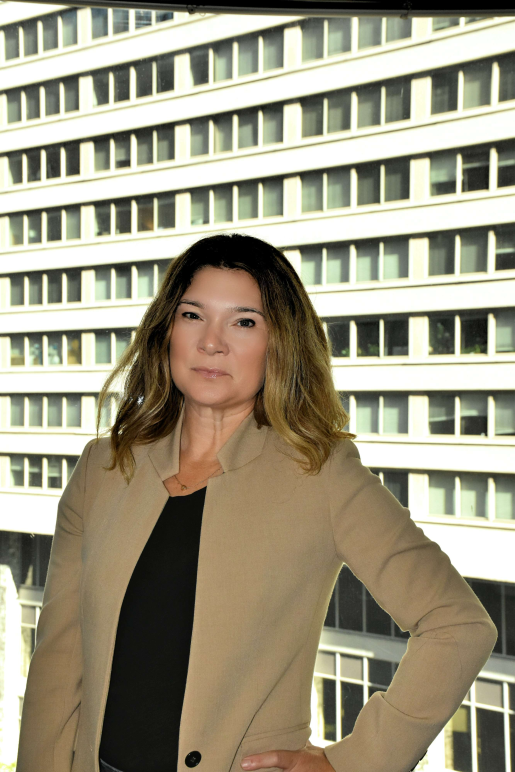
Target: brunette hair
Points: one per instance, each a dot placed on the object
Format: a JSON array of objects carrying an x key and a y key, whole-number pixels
[{"x": 297, "y": 398}]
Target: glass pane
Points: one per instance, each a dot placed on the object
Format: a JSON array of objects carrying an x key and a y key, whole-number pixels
[
  {"x": 17, "y": 350},
  {"x": 247, "y": 129},
  {"x": 35, "y": 410},
  {"x": 398, "y": 101},
  {"x": 35, "y": 289},
  {"x": 368, "y": 339},
  {"x": 272, "y": 198},
  {"x": 312, "y": 117},
  {"x": 367, "y": 414},
  {"x": 338, "y": 335},
  {"x": 33, "y": 166},
  {"x": 474, "y": 248},
  {"x": 55, "y": 348},
  {"x": 102, "y": 154},
  {"x": 143, "y": 79},
  {"x": 102, "y": 219},
  {"x": 338, "y": 188},
  {"x": 474, "y": 335},
  {"x": 490, "y": 741},
  {"x": 199, "y": 207},
  {"x": 145, "y": 214},
  {"x": 143, "y": 18},
  {"x": 395, "y": 414},
  {"x": 441, "y": 414},
  {"x": 367, "y": 261},
  {"x": 30, "y": 37},
  {"x": 352, "y": 703},
  {"x": 165, "y": 73},
  {"x": 312, "y": 39},
  {"x": 477, "y": 84},
  {"x": 74, "y": 344},
  {"x": 165, "y": 143},
  {"x": 34, "y": 221},
  {"x": 506, "y": 78},
  {"x": 121, "y": 84},
  {"x": 247, "y": 200},
  {"x": 368, "y": 184},
  {"x": 14, "y": 106},
  {"x": 199, "y": 137},
  {"x": 103, "y": 284},
  {"x": 52, "y": 101},
  {"x": 16, "y": 470},
  {"x": 100, "y": 86},
  {"x": 474, "y": 495},
  {"x": 123, "y": 339},
  {"x": 12, "y": 42},
  {"x": 55, "y": 287},
  {"x": 443, "y": 174},
  {"x": 15, "y": 169},
  {"x": 337, "y": 264},
  {"x": 53, "y": 162},
  {"x": 199, "y": 67},
  {"x": 72, "y": 153},
  {"x": 73, "y": 223},
  {"x": 17, "y": 409},
  {"x": 458, "y": 741},
  {"x": 145, "y": 147},
  {"x": 122, "y": 152},
  {"x": 223, "y": 61},
  {"x": 15, "y": 229},
  {"x": 247, "y": 56},
  {"x": 163, "y": 16},
  {"x": 69, "y": 27},
  {"x": 476, "y": 170},
  {"x": 505, "y": 507},
  {"x": 474, "y": 414},
  {"x": 55, "y": 478},
  {"x": 145, "y": 280},
  {"x": 73, "y": 410},
  {"x": 54, "y": 225},
  {"x": 396, "y": 337},
  {"x": 369, "y": 106},
  {"x": 312, "y": 192},
  {"x": 444, "y": 92},
  {"x": 122, "y": 281},
  {"x": 338, "y": 111},
  {"x": 441, "y": 335},
  {"x": 441, "y": 254},
  {"x": 32, "y": 99},
  {"x": 35, "y": 350},
  {"x": 506, "y": 165},
  {"x": 123, "y": 217},
  {"x": 71, "y": 463},
  {"x": 16, "y": 283},
  {"x": 272, "y": 125},
  {"x": 223, "y": 133},
  {"x": 397, "y": 29},
  {"x": 505, "y": 414},
  {"x": 120, "y": 20},
  {"x": 35, "y": 471},
  {"x": 505, "y": 248},
  {"x": 71, "y": 95},
  {"x": 49, "y": 32},
  {"x": 443, "y": 22},
  {"x": 223, "y": 204},
  {"x": 311, "y": 265},
  {"x": 73, "y": 283},
  {"x": 396, "y": 180},
  {"x": 98, "y": 22},
  {"x": 166, "y": 211},
  {"x": 369, "y": 31},
  {"x": 441, "y": 493},
  {"x": 273, "y": 44},
  {"x": 102, "y": 348},
  {"x": 396, "y": 259},
  {"x": 339, "y": 36}
]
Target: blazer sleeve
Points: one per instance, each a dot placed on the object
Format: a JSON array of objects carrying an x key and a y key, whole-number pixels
[
  {"x": 413, "y": 580},
  {"x": 51, "y": 705}
]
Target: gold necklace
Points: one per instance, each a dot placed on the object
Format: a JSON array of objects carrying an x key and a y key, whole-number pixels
[{"x": 186, "y": 487}]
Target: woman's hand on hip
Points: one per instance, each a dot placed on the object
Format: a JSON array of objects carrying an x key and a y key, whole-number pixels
[{"x": 309, "y": 759}]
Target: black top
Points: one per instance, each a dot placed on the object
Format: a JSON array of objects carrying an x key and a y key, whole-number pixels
[{"x": 150, "y": 661}]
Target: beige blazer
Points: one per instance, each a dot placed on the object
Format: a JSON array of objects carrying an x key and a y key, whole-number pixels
[{"x": 272, "y": 544}]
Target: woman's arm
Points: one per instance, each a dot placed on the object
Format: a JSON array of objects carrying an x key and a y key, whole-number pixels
[
  {"x": 51, "y": 706},
  {"x": 413, "y": 580}
]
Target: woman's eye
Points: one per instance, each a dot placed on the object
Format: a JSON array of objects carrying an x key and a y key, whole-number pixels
[{"x": 239, "y": 320}]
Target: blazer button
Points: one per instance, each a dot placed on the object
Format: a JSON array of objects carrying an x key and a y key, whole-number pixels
[{"x": 193, "y": 758}]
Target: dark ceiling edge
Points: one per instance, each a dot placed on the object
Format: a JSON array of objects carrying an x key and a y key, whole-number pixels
[{"x": 327, "y": 8}]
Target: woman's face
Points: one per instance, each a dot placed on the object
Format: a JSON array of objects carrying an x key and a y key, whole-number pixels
[{"x": 211, "y": 334}]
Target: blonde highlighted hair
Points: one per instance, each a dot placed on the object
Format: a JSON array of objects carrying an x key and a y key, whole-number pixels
[{"x": 297, "y": 398}]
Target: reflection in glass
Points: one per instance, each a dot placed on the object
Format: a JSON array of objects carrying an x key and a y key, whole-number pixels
[
  {"x": 52, "y": 100},
  {"x": 49, "y": 32},
  {"x": 311, "y": 265},
  {"x": 272, "y": 197},
  {"x": 368, "y": 184},
  {"x": 55, "y": 348},
  {"x": 71, "y": 95},
  {"x": 102, "y": 219},
  {"x": 273, "y": 44},
  {"x": 444, "y": 91},
  {"x": 441, "y": 414},
  {"x": 247, "y": 200},
  {"x": 474, "y": 414},
  {"x": 474, "y": 248},
  {"x": 338, "y": 36},
  {"x": 165, "y": 73},
  {"x": 247, "y": 129},
  {"x": 441, "y": 493},
  {"x": 121, "y": 76},
  {"x": 199, "y": 133},
  {"x": 145, "y": 214},
  {"x": 102, "y": 348},
  {"x": 165, "y": 143},
  {"x": 369, "y": 106},
  {"x": 143, "y": 79},
  {"x": 16, "y": 297},
  {"x": 272, "y": 125},
  {"x": 223, "y": 204},
  {"x": 35, "y": 410},
  {"x": 443, "y": 173},
  {"x": 477, "y": 84},
  {"x": 34, "y": 222},
  {"x": 166, "y": 211},
  {"x": 55, "y": 478},
  {"x": 74, "y": 344},
  {"x": 123, "y": 217},
  {"x": 312, "y": 39},
  {"x": 395, "y": 414},
  {"x": 312, "y": 185},
  {"x": 35, "y": 471},
  {"x": 441, "y": 254},
  {"x": 223, "y": 61},
  {"x": 32, "y": 101},
  {"x": 367, "y": 413},
  {"x": 54, "y": 225},
  {"x": 17, "y": 410},
  {"x": 14, "y": 106},
  {"x": 55, "y": 287},
  {"x": 120, "y": 20},
  {"x": 476, "y": 170},
  {"x": 16, "y": 471},
  {"x": 99, "y": 22},
  {"x": 338, "y": 264},
  {"x": 247, "y": 55},
  {"x": 338, "y": 111},
  {"x": 100, "y": 85},
  {"x": 199, "y": 207},
  {"x": 15, "y": 169},
  {"x": 145, "y": 280},
  {"x": 441, "y": 335},
  {"x": 122, "y": 281},
  {"x": 55, "y": 410},
  {"x": 367, "y": 261},
  {"x": 69, "y": 27},
  {"x": 223, "y": 134}
]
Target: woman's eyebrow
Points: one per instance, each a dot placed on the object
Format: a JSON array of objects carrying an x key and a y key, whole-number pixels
[{"x": 239, "y": 309}]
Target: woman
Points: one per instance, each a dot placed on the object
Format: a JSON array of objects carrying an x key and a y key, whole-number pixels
[{"x": 194, "y": 503}]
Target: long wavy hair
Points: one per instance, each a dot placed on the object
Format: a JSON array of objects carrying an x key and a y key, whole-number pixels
[{"x": 297, "y": 398}]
